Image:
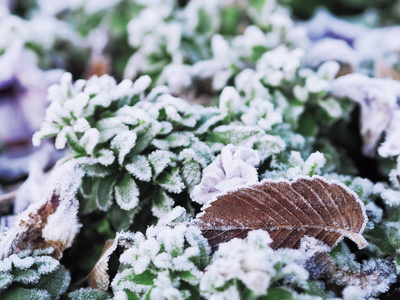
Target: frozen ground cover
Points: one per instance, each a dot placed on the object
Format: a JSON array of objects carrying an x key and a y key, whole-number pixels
[{"x": 199, "y": 149}]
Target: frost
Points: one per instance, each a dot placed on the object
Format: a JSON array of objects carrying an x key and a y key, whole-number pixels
[
  {"x": 251, "y": 261},
  {"x": 322, "y": 52},
  {"x": 127, "y": 193},
  {"x": 314, "y": 163},
  {"x": 90, "y": 139},
  {"x": 161, "y": 261},
  {"x": 377, "y": 98},
  {"x": 229, "y": 100},
  {"x": 123, "y": 143},
  {"x": 233, "y": 168},
  {"x": 63, "y": 225},
  {"x": 140, "y": 168},
  {"x": 353, "y": 293},
  {"x": 160, "y": 159},
  {"x": 389, "y": 196}
]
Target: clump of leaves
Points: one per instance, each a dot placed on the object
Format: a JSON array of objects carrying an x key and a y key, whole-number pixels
[
  {"x": 137, "y": 148},
  {"x": 32, "y": 275},
  {"x": 166, "y": 262}
]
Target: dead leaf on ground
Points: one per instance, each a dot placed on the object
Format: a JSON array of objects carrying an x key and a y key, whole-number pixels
[{"x": 312, "y": 207}]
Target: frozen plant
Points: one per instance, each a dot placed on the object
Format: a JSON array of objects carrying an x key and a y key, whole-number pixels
[
  {"x": 137, "y": 147},
  {"x": 165, "y": 264},
  {"x": 249, "y": 268},
  {"x": 33, "y": 275}
]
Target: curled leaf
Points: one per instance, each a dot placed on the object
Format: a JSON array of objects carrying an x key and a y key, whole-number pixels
[
  {"x": 98, "y": 278},
  {"x": 314, "y": 207}
]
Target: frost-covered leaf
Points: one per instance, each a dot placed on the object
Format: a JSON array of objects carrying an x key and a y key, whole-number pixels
[
  {"x": 25, "y": 276},
  {"x": 55, "y": 283},
  {"x": 24, "y": 293},
  {"x": 127, "y": 192},
  {"x": 140, "y": 168},
  {"x": 160, "y": 159},
  {"x": 98, "y": 278},
  {"x": 90, "y": 139},
  {"x": 172, "y": 182},
  {"x": 162, "y": 203},
  {"x": 123, "y": 143},
  {"x": 88, "y": 293},
  {"x": 234, "y": 134},
  {"x": 105, "y": 192},
  {"x": 288, "y": 211}
]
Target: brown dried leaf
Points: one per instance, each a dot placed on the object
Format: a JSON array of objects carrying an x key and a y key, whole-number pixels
[
  {"x": 288, "y": 211},
  {"x": 98, "y": 278}
]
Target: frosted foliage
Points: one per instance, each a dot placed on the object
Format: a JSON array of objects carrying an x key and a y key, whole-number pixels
[
  {"x": 261, "y": 113},
  {"x": 321, "y": 52},
  {"x": 171, "y": 254},
  {"x": 279, "y": 65},
  {"x": 296, "y": 166},
  {"x": 74, "y": 100},
  {"x": 378, "y": 101},
  {"x": 229, "y": 101},
  {"x": 353, "y": 293},
  {"x": 123, "y": 143},
  {"x": 160, "y": 159},
  {"x": 389, "y": 196},
  {"x": 65, "y": 180},
  {"x": 140, "y": 168},
  {"x": 26, "y": 268},
  {"x": 233, "y": 168},
  {"x": 127, "y": 193},
  {"x": 90, "y": 139},
  {"x": 251, "y": 261},
  {"x": 63, "y": 225}
]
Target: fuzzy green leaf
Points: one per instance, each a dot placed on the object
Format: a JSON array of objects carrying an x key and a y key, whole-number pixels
[{"x": 127, "y": 192}]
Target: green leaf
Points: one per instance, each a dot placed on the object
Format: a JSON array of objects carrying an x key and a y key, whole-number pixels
[
  {"x": 88, "y": 294},
  {"x": 394, "y": 237},
  {"x": 97, "y": 170},
  {"x": 127, "y": 192},
  {"x": 105, "y": 192},
  {"x": 144, "y": 138},
  {"x": 123, "y": 143},
  {"x": 179, "y": 139},
  {"x": 55, "y": 283},
  {"x": 121, "y": 219},
  {"x": 307, "y": 125},
  {"x": 75, "y": 146},
  {"x": 171, "y": 182},
  {"x": 46, "y": 264},
  {"x": 145, "y": 278},
  {"x": 234, "y": 134},
  {"x": 19, "y": 293},
  {"x": 191, "y": 173},
  {"x": 160, "y": 160},
  {"x": 5, "y": 280},
  {"x": 278, "y": 294},
  {"x": 90, "y": 201},
  {"x": 162, "y": 203},
  {"x": 140, "y": 168},
  {"x": 25, "y": 276}
]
